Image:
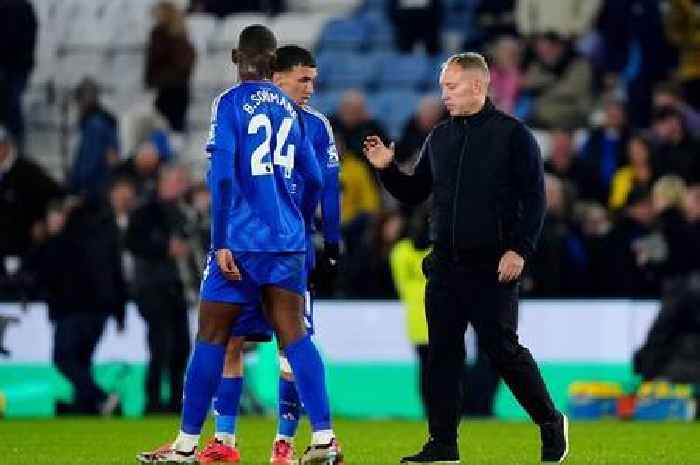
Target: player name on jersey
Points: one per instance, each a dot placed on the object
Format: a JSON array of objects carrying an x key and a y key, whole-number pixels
[{"x": 267, "y": 96}]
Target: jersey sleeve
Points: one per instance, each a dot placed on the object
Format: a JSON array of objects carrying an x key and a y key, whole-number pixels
[
  {"x": 221, "y": 148},
  {"x": 327, "y": 155}
]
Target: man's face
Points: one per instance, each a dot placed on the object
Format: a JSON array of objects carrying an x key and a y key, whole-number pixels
[
  {"x": 459, "y": 89},
  {"x": 298, "y": 83}
]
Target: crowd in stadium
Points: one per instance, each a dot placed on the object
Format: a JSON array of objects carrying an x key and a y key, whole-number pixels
[{"x": 614, "y": 103}]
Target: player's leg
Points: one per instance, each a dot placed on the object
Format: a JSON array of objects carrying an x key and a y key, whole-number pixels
[
  {"x": 284, "y": 310},
  {"x": 222, "y": 449},
  {"x": 289, "y": 412},
  {"x": 201, "y": 380}
]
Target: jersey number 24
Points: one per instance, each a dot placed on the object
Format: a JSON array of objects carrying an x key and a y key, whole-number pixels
[{"x": 260, "y": 163}]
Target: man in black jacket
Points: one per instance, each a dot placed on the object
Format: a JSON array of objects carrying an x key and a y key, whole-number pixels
[
  {"x": 156, "y": 238},
  {"x": 484, "y": 170}
]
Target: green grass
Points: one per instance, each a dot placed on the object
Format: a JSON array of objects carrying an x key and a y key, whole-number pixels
[{"x": 81, "y": 441}]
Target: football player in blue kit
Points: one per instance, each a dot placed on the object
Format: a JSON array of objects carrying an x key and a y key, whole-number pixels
[
  {"x": 256, "y": 145},
  {"x": 294, "y": 72}
]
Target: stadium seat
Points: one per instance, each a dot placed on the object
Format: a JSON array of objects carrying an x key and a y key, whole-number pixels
[
  {"x": 344, "y": 34},
  {"x": 381, "y": 31},
  {"x": 326, "y": 102},
  {"x": 348, "y": 70},
  {"x": 227, "y": 33},
  {"x": 404, "y": 71},
  {"x": 301, "y": 29},
  {"x": 393, "y": 108},
  {"x": 202, "y": 28}
]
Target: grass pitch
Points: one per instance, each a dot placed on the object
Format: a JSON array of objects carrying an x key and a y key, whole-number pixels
[{"x": 82, "y": 441}]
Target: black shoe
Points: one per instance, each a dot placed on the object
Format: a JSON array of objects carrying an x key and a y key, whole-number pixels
[
  {"x": 434, "y": 452},
  {"x": 555, "y": 439}
]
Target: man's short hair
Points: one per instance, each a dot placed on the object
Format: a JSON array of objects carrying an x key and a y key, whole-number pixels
[
  {"x": 469, "y": 60},
  {"x": 256, "y": 50},
  {"x": 289, "y": 56}
]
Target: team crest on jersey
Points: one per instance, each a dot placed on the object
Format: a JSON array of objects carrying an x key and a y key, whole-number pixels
[{"x": 332, "y": 156}]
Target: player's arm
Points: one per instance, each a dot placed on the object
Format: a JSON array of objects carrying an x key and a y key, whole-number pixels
[
  {"x": 222, "y": 150},
  {"x": 330, "y": 199},
  {"x": 308, "y": 167}
]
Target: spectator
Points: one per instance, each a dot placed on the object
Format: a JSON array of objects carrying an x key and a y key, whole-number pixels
[
  {"x": 671, "y": 348},
  {"x": 559, "y": 83},
  {"x": 170, "y": 60},
  {"x": 25, "y": 192},
  {"x": 595, "y": 226},
  {"x": 18, "y": 32},
  {"x": 417, "y": 21},
  {"x": 359, "y": 200},
  {"x": 567, "y": 18},
  {"x": 506, "y": 76},
  {"x": 122, "y": 201},
  {"x": 558, "y": 266},
  {"x": 353, "y": 121},
  {"x": 634, "y": 52},
  {"x": 98, "y": 148},
  {"x": 668, "y": 94},
  {"x": 633, "y": 244},
  {"x": 406, "y": 259},
  {"x": 142, "y": 168},
  {"x": 605, "y": 149},
  {"x": 156, "y": 237},
  {"x": 581, "y": 180},
  {"x": 430, "y": 111},
  {"x": 493, "y": 19},
  {"x": 371, "y": 258},
  {"x": 79, "y": 271},
  {"x": 683, "y": 31},
  {"x": 636, "y": 174},
  {"x": 675, "y": 152}
]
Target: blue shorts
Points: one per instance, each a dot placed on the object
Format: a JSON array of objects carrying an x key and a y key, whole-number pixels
[{"x": 258, "y": 269}]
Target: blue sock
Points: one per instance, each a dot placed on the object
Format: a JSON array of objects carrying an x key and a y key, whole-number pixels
[
  {"x": 289, "y": 408},
  {"x": 201, "y": 380},
  {"x": 307, "y": 367},
  {"x": 226, "y": 403}
]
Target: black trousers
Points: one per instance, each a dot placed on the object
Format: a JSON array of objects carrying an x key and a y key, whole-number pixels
[
  {"x": 462, "y": 292},
  {"x": 168, "y": 337},
  {"x": 172, "y": 103},
  {"x": 75, "y": 339}
]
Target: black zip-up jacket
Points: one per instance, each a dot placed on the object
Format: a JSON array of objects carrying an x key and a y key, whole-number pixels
[{"x": 486, "y": 176}]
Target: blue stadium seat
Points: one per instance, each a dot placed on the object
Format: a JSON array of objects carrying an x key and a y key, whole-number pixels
[
  {"x": 347, "y": 70},
  {"x": 344, "y": 34},
  {"x": 381, "y": 31},
  {"x": 403, "y": 71},
  {"x": 326, "y": 102},
  {"x": 393, "y": 108}
]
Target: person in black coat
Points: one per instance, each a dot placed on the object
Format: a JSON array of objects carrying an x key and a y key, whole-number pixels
[
  {"x": 80, "y": 275},
  {"x": 484, "y": 170},
  {"x": 156, "y": 238}
]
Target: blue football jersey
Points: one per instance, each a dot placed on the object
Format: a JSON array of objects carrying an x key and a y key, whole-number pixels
[
  {"x": 320, "y": 133},
  {"x": 256, "y": 146}
]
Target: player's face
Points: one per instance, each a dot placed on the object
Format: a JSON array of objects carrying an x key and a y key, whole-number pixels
[
  {"x": 298, "y": 83},
  {"x": 459, "y": 89}
]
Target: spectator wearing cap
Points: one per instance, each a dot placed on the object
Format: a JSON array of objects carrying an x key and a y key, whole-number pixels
[
  {"x": 98, "y": 147},
  {"x": 25, "y": 191},
  {"x": 675, "y": 151}
]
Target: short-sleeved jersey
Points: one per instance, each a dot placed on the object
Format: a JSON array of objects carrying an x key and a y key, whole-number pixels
[
  {"x": 320, "y": 133},
  {"x": 256, "y": 134}
]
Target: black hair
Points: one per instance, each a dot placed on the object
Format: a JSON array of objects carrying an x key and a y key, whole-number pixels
[
  {"x": 289, "y": 56},
  {"x": 256, "y": 52}
]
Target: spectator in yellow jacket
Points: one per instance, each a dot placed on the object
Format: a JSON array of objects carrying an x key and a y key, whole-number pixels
[{"x": 406, "y": 260}]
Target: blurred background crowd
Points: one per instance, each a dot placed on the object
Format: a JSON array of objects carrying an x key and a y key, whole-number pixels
[{"x": 105, "y": 105}]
